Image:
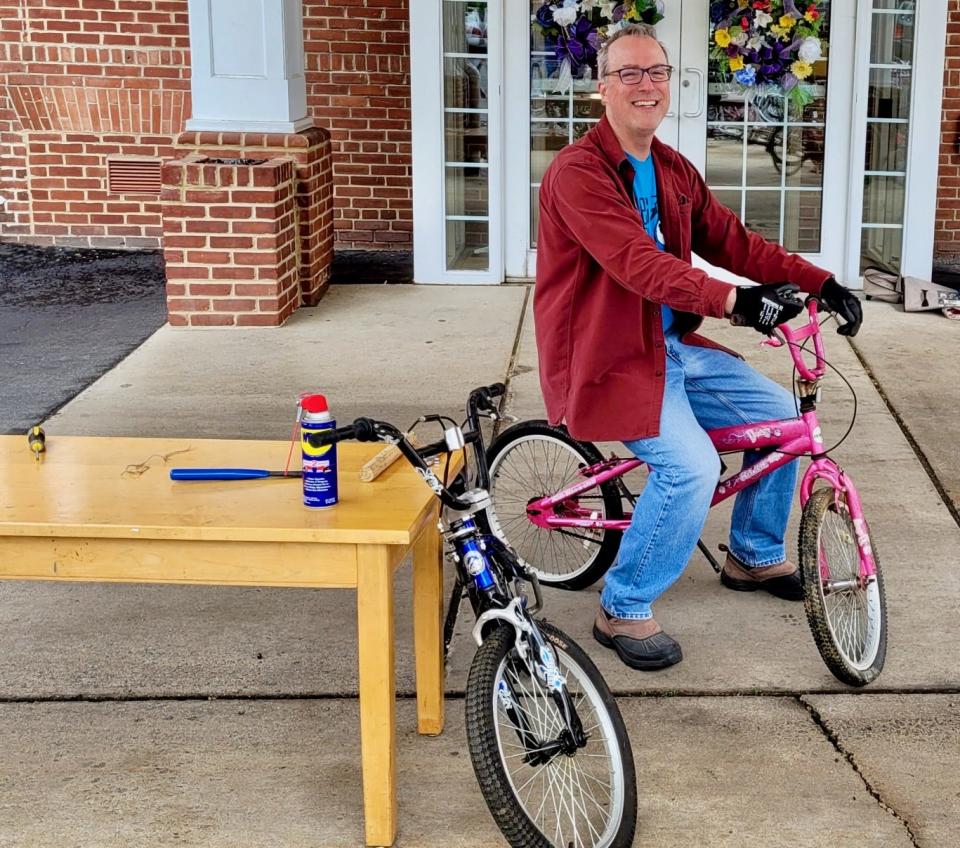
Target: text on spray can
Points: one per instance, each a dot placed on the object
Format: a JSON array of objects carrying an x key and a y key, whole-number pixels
[{"x": 319, "y": 464}]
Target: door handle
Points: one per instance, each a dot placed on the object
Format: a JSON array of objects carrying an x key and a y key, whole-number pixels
[{"x": 699, "y": 75}]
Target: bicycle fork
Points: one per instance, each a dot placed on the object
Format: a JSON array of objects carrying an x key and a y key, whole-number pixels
[
  {"x": 540, "y": 660},
  {"x": 471, "y": 555}
]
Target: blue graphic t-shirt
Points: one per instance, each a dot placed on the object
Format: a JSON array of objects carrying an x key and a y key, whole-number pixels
[{"x": 645, "y": 198}]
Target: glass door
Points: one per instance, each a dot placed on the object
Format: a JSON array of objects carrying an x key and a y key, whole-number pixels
[
  {"x": 766, "y": 141},
  {"x": 560, "y": 106},
  {"x": 779, "y": 161},
  {"x": 457, "y": 73}
]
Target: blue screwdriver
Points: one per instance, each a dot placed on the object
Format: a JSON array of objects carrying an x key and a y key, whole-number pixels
[{"x": 228, "y": 473}]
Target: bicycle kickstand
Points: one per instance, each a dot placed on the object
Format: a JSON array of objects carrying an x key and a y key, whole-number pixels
[{"x": 710, "y": 557}]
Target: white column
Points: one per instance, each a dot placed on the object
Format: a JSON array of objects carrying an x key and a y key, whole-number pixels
[{"x": 247, "y": 66}]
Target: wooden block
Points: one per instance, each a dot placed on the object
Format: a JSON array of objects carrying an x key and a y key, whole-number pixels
[{"x": 373, "y": 468}]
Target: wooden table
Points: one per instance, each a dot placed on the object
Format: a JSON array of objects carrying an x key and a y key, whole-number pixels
[{"x": 104, "y": 509}]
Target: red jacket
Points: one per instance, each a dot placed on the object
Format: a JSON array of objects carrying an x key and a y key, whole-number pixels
[{"x": 601, "y": 280}]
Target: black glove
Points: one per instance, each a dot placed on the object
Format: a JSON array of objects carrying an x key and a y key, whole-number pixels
[
  {"x": 764, "y": 307},
  {"x": 844, "y": 302}
]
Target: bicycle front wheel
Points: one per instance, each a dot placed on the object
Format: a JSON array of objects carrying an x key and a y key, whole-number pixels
[
  {"x": 586, "y": 798},
  {"x": 847, "y": 613},
  {"x": 534, "y": 459}
]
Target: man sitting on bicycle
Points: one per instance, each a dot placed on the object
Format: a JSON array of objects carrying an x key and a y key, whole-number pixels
[{"x": 616, "y": 305}]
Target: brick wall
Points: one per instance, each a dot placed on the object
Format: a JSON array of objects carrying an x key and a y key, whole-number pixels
[
  {"x": 81, "y": 80},
  {"x": 947, "y": 233},
  {"x": 89, "y": 79},
  {"x": 230, "y": 243},
  {"x": 358, "y": 88},
  {"x": 15, "y": 213}
]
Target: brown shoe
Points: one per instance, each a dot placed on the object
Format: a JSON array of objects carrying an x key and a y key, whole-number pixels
[
  {"x": 641, "y": 644},
  {"x": 782, "y": 579}
]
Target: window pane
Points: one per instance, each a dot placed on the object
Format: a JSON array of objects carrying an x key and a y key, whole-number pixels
[
  {"x": 764, "y": 153},
  {"x": 466, "y": 137},
  {"x": 763, "y": 214},
  {"x": 465, "y": 83},
  {"x": 892, "y": 40},
  {"x": 801, "y": 156},
  {"x": 731, "y": 199},
  {"x": 801, "y": 221},
  {"x": 464, "y": 27},
  {"x": 888, "y": 94},
  {"x": 467, "y": 245},
  {"x": 886, "y": 147},
  {"x": 881, "y": 248},
  {"x": 883, "y": 200},
  {"x": 546, "y": 141},
  {"x": 725, "y": 155},
  {"x": 466, "y": 191},
  {"x": 581, "y": 128},
  {"x": 549, "y": 107},
  {"x": 587, "y": 106},
  {"x": 905, "y": 6}
]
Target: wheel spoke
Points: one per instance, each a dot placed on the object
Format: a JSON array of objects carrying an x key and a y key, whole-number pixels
[
  {"x": 534, "y": 466},
  {"x": 851, "y": 608}
]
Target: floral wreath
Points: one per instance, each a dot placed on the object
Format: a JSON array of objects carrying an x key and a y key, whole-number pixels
[
  {"x": 767, "y": 42},
  {"x": 574, "y": 29}
]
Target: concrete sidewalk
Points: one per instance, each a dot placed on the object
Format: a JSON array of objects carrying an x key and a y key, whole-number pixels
[{"x": 136, "y": 715}]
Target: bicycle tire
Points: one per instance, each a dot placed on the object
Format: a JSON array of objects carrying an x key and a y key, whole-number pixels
[
  {"x": 552, "y": 457},
  {"x": 855, "y": 655},
  {"x": 490, "y": 754}
]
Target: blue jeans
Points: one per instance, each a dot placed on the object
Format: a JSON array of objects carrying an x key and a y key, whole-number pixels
[{"x": 705, "y": 389}]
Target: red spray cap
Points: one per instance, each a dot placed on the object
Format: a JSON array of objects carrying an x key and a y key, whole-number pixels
[{"x": 314, "y": 403}]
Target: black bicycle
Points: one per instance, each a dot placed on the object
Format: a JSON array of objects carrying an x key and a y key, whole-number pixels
[{"x": 547, "y": 741}]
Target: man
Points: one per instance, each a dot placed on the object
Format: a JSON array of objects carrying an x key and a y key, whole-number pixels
[{"x": 615, "y": 305}]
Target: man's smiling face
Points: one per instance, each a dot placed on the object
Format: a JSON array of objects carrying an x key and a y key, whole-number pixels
[{"x": 635, "y": 110}]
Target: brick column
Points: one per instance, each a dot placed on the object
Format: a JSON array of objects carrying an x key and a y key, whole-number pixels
[
  {"x": 310, "y": 150},
  {"x": 230, "y": 242}
]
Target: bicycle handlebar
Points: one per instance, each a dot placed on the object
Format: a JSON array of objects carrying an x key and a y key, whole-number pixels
[
  {"x": 368, "y": 430},
  {"x": 794, "y": 338}
]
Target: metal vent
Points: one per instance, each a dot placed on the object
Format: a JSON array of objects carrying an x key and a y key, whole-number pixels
[{"x": 133, "y": 176}]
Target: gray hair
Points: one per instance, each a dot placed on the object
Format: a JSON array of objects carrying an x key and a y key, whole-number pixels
[{"x": 635, "y": 30}]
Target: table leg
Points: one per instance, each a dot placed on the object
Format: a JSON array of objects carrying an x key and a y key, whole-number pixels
[
  {"x": 428, "y": 629},
  {"x": 378, "y": 735}
]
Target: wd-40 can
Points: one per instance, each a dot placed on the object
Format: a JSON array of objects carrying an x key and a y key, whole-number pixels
[{"x": 319, "y": 464}]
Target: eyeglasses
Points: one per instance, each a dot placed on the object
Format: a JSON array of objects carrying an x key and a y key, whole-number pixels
[{"x": 634, "y": 76}]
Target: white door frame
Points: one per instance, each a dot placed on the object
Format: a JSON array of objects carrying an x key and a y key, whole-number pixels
[
  {"x": 923, "y": 146},
  {"x": 427, "y": 136}
]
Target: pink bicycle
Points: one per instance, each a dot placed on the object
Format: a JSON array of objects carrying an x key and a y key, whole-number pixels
[{"x": 559, "y": 504}]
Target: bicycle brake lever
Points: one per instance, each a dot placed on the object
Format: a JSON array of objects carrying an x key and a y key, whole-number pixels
[{"x": 775, "y": 339}]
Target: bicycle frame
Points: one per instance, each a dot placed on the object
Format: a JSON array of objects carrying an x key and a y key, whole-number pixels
[{"x": 783, "y": 440}]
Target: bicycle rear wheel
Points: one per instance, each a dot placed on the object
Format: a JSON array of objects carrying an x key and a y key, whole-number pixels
[
  {"x": 847, "y": 614},
  {"x": 586, "y": 798},
  {"x": 531, "y": 460}
]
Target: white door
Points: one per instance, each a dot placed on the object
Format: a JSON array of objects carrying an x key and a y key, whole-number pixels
[
  {"x": 782, "y": 169},
  {"x": 457, "y": 71}
]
